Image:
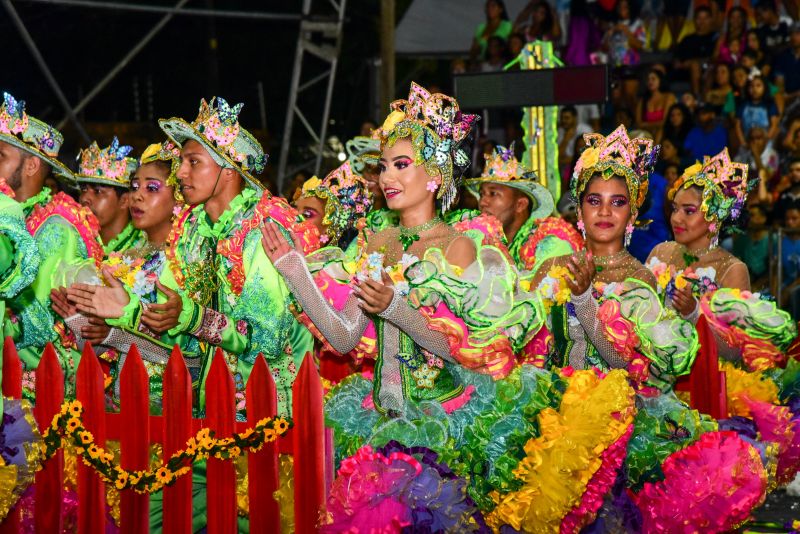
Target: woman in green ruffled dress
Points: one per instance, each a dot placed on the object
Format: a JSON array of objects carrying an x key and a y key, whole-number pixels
[
  {"x": 681, "y": 472},
  {"x": 443, "y": 316},
  {"x": 697, "y": 277}
]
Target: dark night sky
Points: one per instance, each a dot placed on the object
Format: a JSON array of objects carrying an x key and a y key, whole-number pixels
[{"x": 81, "y": 45}]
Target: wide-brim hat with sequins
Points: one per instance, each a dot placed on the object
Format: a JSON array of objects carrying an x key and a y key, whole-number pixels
[
  {"x": 503, "y": 168},
  {"x": 217, "y": 129},
  {"x": 724, "y": 184},
  {"x": 616, "y": 155},
  {"x": 108, "y": 166},
  {"x": 167, "y": 152},
  {"x": 27, "y": 133},
  {"x": 440, "y": 135},
  {"x": 363, "y": 151}
]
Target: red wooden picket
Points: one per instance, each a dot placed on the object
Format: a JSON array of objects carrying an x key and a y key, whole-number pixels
[
  {"x": 91, "y": 490},
  {"x": 50, "y": 480},
  {"x": 177, "y": 431},
  {"x": 262, "y": 466},
  {"x": 134, "y": 428},
  {"x": 12, "y": 370},
  {"x": 12, "y": 387},
  {"x": 309, "y": 447},
  {"x": 220, "y": 417},
  {"x": 135, "y": 440}
]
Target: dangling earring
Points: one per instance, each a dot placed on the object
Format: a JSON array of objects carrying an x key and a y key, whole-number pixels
[
  {"x": 582, "y": 228},
  {"x": 628, "y": 234},
  {"x": 712, "y": 229}
]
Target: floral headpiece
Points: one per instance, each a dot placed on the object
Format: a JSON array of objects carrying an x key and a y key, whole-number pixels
[
  {"x": 28, "y": 133},
  {"x": 109, "y": 166},
  {"x": 439, "y": 133},
  {"x": 347, "y": 199},
  {"x": 616, "y": 155},
  {"x": 724, "y": 184},
  {"x": 217, "y": 129},
  {"x": 170, "y": 153},
  {"x": 503, "y": 168}
]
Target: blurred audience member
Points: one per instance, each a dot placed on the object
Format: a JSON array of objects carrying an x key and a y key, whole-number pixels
[
  {"x": 708, "y": 137},
  {"x": 696, "y": 48},
  {"x": 678, "y": 125},
  {"x": 496, "y": 24},
  {"x": 652, "y": 110}
]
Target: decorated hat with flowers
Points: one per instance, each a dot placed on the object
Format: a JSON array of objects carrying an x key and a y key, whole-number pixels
[
  {"x": 27, "y": 133},
  {"x": 217, "y": 129},
  {"x": 724, "y": 184},
  {"x": 108, "y": 166},
  {"x": 170, "y": 153},
  {"x": 503, "y": 168},
  {"x": 616, "y": 155},
  {"x": 363, "y": 151},
  {"x": 347, "y": 199},
  {"x": 440, "y": 134}
]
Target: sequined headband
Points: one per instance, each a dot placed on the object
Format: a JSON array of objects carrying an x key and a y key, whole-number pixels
[
  {"x": 724, "y": 184},
  {"x": 440, "y": 135},
  {"x": 616, "y": 155}
]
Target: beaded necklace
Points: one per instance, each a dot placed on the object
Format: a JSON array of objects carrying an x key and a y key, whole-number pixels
[{"x": 408, "y": 235}]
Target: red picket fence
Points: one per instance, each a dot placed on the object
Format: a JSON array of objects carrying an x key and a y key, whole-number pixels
[
  {"x": 136, "y": 429},
  {"x": 706, "y": 383}
]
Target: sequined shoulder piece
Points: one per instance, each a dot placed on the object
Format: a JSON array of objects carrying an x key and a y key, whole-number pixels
[{"x": 76, "y": 215}]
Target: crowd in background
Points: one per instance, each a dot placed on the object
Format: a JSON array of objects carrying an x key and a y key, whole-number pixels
[{"x": 696, "y": 76}]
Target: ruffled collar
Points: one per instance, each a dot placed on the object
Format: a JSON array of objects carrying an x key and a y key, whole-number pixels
[
  {"x": 221, "y": 228},
  {"x": 39, "y": 199},
  {"x": 522, "y": 235}
]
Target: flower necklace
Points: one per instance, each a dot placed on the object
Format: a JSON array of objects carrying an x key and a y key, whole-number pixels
[
  {"x": 409, "y": 235},
  {"x": 690, "y": 256}
]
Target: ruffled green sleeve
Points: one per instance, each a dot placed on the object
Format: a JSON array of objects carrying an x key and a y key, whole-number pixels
[
  {"x": 62, "y": 261},
  {"x": 19, "y": 256},
  {"x": 669, "y": 342}
]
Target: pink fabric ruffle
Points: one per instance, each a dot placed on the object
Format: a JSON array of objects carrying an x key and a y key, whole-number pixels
[
  {"x": 598, "y": 487},
  {"x": 710, "y": 486}
]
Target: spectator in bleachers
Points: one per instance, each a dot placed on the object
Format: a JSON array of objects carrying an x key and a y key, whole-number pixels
[
  {"x": 774, "y": 32},
  {"x": 754, "y": 53},
  {"x": 678, "y": 125},
  {"x": 758, "y": 109},
  {"x": 496, "y": 24},
  {"x": 752, "y": 247},
  {"x": 652, "y": 110},
  {"x": 788, "y": 190},
  {"x": 675, "y": 12},
  {"x": 738, "y": 91},
  {"x": 538, "y": 22},
  {"x": 787, "y": 67},
  {"x": 516, "y": 42},
  {"x": 569, "y": 129},
  {"x": 708, "y": 137},
  {"x": 584, "y": 35},
  {"x": 720, "y": 87},
  {"x": 696, "y": 48},
  {"x": 762, "y": 159},
  {"x": 624, "y": 40},
  {"x": 730, "y": 46},
  {"x": 791, "y": 141},
  {"x": 496, "y": 55},
  {"x": 790, "y": 261}
]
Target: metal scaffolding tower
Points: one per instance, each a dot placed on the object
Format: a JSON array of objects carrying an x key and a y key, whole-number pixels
[
  {"x": 319, "y": 37},
  {"x": 312, "y": 33}
]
